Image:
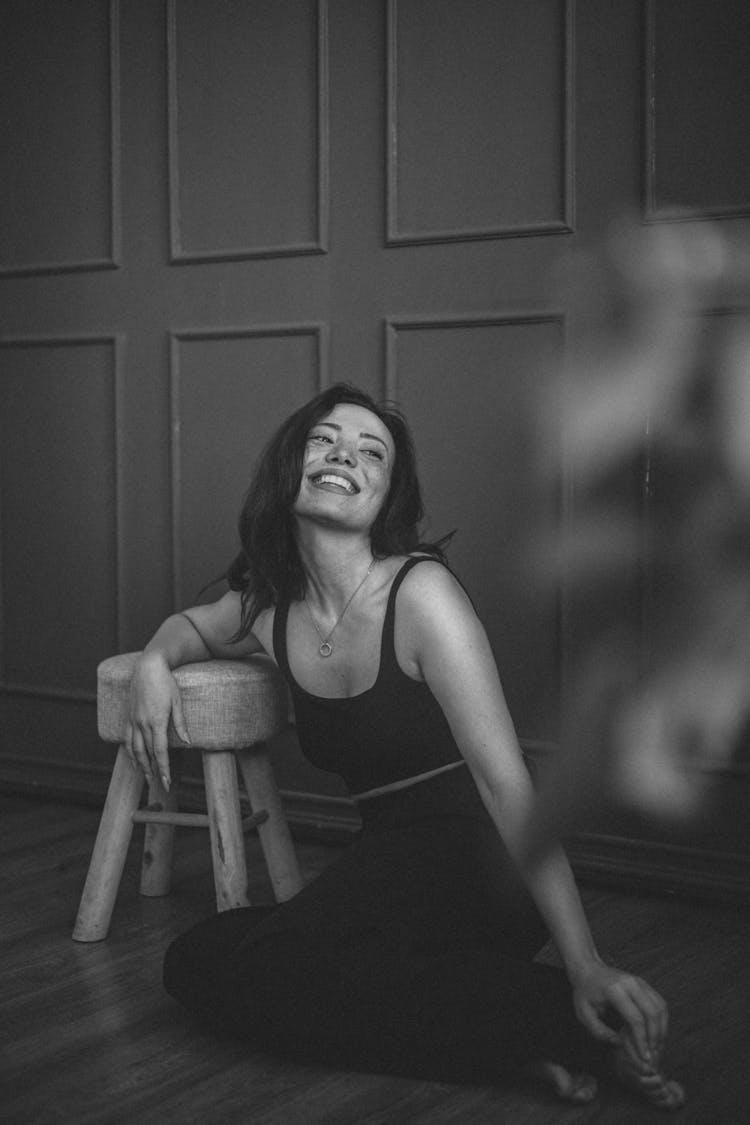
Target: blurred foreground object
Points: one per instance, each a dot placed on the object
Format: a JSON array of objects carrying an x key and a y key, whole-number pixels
[{"x": 655, "y": 388}]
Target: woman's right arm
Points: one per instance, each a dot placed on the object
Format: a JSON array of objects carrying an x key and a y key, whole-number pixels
[{"x": 197, "y": 634}]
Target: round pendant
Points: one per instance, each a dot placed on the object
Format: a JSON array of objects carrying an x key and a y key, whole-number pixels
[{"x": 325, "y": 649}]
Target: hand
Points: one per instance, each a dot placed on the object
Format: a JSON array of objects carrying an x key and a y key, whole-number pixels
[
  {"x": 154, "y": 700},
  {"x": 599, "y": 990}
]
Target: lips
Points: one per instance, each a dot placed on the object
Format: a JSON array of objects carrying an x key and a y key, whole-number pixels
[{"x": 339, "y": 481}]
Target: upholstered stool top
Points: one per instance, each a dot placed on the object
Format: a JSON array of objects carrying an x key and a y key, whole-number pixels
[{"x": 228, "y": 704}]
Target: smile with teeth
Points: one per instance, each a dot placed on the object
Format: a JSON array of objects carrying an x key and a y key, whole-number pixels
[{"x": 336, "y": 481}]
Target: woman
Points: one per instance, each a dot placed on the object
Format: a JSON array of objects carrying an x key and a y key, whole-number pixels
[{"x": 413, "y": 952}]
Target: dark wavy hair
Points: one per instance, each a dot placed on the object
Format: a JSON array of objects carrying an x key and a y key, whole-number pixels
[{"x": 268, "y": 568}]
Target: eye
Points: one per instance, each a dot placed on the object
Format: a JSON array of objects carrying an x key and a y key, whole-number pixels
[
  {"x": 377, "y": 454},
  {"x": 321, "y": 437}
]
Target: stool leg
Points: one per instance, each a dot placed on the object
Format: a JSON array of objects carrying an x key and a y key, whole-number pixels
[
  {"x": 225, "y": 826},
  {"x": 158, "y": 840},
  {"x": 274, "y": 834},
  {"x": 110, "y": 851}
]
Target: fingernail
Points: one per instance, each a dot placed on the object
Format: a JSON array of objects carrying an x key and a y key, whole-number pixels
[{"x": 165, "y": 781}]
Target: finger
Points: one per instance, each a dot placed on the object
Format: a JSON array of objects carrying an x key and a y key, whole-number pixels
[
  {"x": 634, "y": 1056},
  {"x": 148, "y": 733},
  {"x": 178, "y": 718},
  {"x": 650, "y": 1004},
  {"x": 633, "y": 1017},
  {"x": 141, "y": 753},
  {"x": 661, "y": 1017},
  {"x": 128, "y": 744},
  {"x": 161, "y": 754},
  {"x": 596, "y": 1026}
]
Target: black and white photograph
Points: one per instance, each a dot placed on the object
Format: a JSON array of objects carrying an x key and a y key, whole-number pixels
[{"x": 374, "y": 562}]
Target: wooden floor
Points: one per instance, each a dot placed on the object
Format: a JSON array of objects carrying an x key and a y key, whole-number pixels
[{"x": 88, "y": 1035}]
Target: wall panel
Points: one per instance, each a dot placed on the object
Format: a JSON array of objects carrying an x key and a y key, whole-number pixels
[
  {"x": 230, "y": 389},
  {"x": 480, "y": 119},
  {"x": 697, "y": 99},
  {"x": 60, "y": 92},
  {"x": 248, "y": 128},
  {"x": 58, "y": 504},
  {"x": 479, "y": 477}
]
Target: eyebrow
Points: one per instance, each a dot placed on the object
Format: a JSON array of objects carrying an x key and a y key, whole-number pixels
[{"x": 336, "y": 426}]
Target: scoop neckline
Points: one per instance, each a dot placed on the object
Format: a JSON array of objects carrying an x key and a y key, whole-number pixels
[
  {"x": 389, "y": 609},
  {"x": 297, "y": 686}
]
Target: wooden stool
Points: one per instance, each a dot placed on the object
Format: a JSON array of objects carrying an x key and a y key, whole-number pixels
[{"x": 231, "y": 707}]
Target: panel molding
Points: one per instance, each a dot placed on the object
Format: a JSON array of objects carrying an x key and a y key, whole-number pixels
[
  {"x": 639, "y": 865},
  {"x": 319, "y": 245},
  {"x": 116, "y": 341},
  {"x": 565, "y": 225},
  {"x": 317, "y": 329},
  {"x": 113, "y": 259},
  {"x": 652, "y": 212},
  {"x": 613, "y": 861},
  {"x": 500, "y": 319},
  {"x": 395, "y": 324},
  {"x": 70, "y": 695}
]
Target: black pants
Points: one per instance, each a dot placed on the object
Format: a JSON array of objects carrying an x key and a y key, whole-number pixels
[{"x": 412, "y": 954}]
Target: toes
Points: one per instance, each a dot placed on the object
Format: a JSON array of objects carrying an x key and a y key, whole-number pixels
[
  {"x": 579, "y": 1088},
  {"x": 672, "y": 1096},
  {"x": 584, "y": 1088},
  {"x": 653, "y": 1087}
]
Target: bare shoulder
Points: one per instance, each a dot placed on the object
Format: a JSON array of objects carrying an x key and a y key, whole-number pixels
[
  {"x": 431, "y": 589},
  {"x": 434, "y": 616},
  {"x": 436, "y": 624}
]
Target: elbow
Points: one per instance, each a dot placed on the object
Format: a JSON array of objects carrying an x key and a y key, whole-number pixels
[
  {"x": 495, "y": 793},
  {"x": 508, "y": 797}
]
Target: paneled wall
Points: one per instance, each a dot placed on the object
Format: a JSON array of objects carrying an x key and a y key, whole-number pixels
[
  {"x": 480, "y": 113},
  {"x": 212, "y": 208}
]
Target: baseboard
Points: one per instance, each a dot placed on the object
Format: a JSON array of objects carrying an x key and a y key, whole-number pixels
[
  {"x": 655, "y": 866},
  {"x": 53, "y": 780},
  {"x": 316, "y": 816},
  {"x": 614, "y": 861}
]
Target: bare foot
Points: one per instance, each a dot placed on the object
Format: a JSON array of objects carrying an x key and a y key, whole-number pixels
[
  {"x": 578, "y": 1088},
  {"x": 648, "y": 1082}
]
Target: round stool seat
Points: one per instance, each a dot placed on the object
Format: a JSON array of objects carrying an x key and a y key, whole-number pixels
[
  {"x": 231, "y": 708},
  {"x": 227, "y": 704}
]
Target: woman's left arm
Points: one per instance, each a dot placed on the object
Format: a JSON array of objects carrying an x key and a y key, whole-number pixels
[{"x": 450, "y": 650}]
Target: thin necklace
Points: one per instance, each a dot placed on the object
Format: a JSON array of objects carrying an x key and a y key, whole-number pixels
[{"x": 326, "y": 647}]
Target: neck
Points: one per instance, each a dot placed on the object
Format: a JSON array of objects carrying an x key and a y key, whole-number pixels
[{"x": 333, "y": 564}]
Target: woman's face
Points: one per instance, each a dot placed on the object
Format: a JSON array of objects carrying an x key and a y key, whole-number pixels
[{"x": 347, "y": 468}]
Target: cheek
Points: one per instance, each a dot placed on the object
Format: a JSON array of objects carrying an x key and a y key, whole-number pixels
[
  {"x": 301, "y": 478},
  {"x": 383, "y": 487}
]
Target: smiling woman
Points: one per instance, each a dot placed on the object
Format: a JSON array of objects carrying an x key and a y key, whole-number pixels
[
  {"x": 343, "y": 459},
  {"x": 414, "y": 952}
]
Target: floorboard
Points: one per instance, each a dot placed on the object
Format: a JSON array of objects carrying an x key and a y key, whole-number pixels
[{"x": 87, "y": 1034}]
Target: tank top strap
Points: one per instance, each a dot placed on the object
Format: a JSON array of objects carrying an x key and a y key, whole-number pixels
[{"x": 388, "y": 662}]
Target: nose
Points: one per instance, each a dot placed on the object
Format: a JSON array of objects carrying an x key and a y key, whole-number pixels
[{"x": 342, "y": 454}]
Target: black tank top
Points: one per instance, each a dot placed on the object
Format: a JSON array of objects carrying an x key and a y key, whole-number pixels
[{"x": 394, "y": 730}]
